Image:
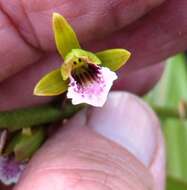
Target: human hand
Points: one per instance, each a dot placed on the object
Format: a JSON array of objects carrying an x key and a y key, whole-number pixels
[
  {"x": 99, "y": 149},
  {"x": 160, "y": 44},
  {"x": 27, "y": 42}
]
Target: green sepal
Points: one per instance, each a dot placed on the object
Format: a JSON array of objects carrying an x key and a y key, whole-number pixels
[
  {"x": 65, "y": 37},
  {"x": 113, "y": 58},
  {"x": 24, "y": 146},
  {"x": 51, "y": 84}
]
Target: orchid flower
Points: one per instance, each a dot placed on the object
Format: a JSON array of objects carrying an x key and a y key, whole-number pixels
[
  {"x": 87, "y": 77},
  {"x": 10, "y": 170},
  {"x": 16, "y": 153}
]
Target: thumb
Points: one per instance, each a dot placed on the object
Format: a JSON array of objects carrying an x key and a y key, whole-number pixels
[{"x": 117, "y": 147}]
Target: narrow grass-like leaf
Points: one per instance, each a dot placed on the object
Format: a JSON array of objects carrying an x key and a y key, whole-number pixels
[
  {"x": 172, "y": 89},
  {"x": 175, "y": 184},
  {"x": 114, "y": 58}
]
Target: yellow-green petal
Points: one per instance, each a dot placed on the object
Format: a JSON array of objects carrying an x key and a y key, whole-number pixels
[
  {"x": 51, "y": 84},
  {"x": 113, "y": 58},
  {"x": 65, "y": 37}
]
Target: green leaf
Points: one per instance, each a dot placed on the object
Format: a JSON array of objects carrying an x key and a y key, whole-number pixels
[
  {"x": 176, "y": 184},
  {"x": 113, "y": 58},
  {"x": 65, "y": 37},
  {"x": 169, "y": 92},
  {"x": 24, "y": 146},
  {"x": 51, "y": 84}
]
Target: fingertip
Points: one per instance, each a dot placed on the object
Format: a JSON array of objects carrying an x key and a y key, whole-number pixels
[{"x": 128, "y": 121}]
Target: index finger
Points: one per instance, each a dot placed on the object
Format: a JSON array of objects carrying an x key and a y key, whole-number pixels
[{"x": 25, "y": 32}]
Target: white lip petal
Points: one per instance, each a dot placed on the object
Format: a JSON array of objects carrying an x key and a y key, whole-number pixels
[
  {"x": 94, "y": 93},
  {"x": 10, "y": 170}
]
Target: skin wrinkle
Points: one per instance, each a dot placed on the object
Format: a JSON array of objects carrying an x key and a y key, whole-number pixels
[
  {"x": 92, "y": 13},
  {"x": 14, "y": 37},
  {"x": 19, "y": 18},
  {"x": 85, "y": 172},
  {"x": 106, "y": 183},
  {"x": 38, "y": 6},
  {"x": 160, "y": 53},
  {"x": 72, "y": 153},
  {"x": 130, "y": 171},
  {"x": 83, "y": 175},
  {"x": 98, "y": 158},
  {"x": 67, "y": 158},
  {"x": 127, "y": 64},
  {"x": 166, "y": 32},
  {"x": 15, "y": 26},
  {"x": 151, "y": 31},
  {"x": 98, "y": 155},
  {"x": 119, "y": 17},
  {"x": 88, "y": 116},
  {"x": 38, "y": 47},
  {"x": 17, "y": 98},
  {"x": 30, "y": 12}
]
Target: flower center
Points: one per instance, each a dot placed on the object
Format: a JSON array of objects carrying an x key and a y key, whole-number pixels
[{"x": 87, "y": 74}]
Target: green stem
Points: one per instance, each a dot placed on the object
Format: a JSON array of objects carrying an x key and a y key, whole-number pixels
[
  {"x": 29, "y": 117},
  {"x": 24, "y": 146},
  {"x": 22, "y": 118},
  {"x": 167, "y": 112}
]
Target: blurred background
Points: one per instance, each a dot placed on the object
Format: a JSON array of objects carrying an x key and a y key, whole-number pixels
[{"x": 169, "y": 100}]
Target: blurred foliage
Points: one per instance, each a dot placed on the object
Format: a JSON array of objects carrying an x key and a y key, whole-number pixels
[
  {"x": 171, "y": 93},
  {"x": 176, "y": 184}
]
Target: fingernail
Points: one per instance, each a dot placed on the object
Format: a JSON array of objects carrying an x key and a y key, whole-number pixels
[{"x": 128, "y": 121}]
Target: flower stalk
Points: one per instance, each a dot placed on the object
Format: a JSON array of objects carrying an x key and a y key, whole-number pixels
[
  {"x": 40, "y": 115},
  {"x": 35, "y": 116}
]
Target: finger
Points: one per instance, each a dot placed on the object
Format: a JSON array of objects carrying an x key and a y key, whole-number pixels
[
  {"x": 115, "y": 14},
  {"x": 26, "y": 29},
  {"x": 14, "y": 51},
  {"x": 101, "y": 149},
  {"x": 18, "y": 90},
  {"x": 158, "y": 35},
  {"x": 140, "y": 81},
  {"x": 156, "y": 43}
]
